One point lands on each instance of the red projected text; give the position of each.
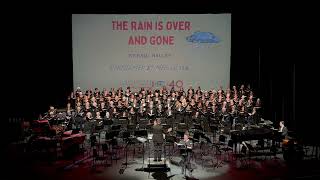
(151, 26)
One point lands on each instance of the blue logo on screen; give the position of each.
(203, 37)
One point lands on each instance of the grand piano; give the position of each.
(257, 133)
(251, 134)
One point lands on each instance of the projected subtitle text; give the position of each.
(149, 67)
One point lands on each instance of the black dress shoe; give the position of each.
(159, 160)
(155, 160)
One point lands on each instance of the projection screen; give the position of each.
(151, 50)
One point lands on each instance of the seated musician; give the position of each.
(185, 147)
(258, 103)
(253, 117)
(69, 110)
(185, 141)
(52, 112)
(158, 138)
(283, 130)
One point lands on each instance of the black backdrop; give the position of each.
(41, 58)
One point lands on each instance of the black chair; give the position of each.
(131, 128)
(169, 143)
(107, 153)
(228, 149)
(93, 142)
(242, 157)
(97, 158)
(115, 149)
(222, 140)
(251, 152)
(209, 157)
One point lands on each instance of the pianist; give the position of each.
(283, 130)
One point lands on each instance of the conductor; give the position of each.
(158, 138)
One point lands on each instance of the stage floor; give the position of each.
(80, 167)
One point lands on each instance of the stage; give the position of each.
(83, 166)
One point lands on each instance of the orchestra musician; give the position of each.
(69, 110)
(52, 112)
(158, 138)
(185, 147)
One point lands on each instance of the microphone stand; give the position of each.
(125, 164)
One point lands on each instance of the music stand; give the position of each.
(184, 152)
(166, 126)
(107, 122)
(149, 127)
(197, 127)
(131, 128)
(180, 133)
(123, 122)
(214, 128)
(143, 123)
(115, 127)
(140, 133)
(182, 126)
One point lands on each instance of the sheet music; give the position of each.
(150, 136)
